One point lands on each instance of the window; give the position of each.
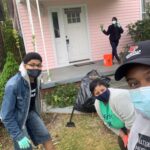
(56, 24)
(145, 8)
(73, 14)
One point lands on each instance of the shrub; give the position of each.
(62, 95)
(13, 42)
(10, 68)
(124, 52)
(140, 30)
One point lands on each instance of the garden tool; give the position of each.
(70, 123)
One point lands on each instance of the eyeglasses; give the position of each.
(35, 65)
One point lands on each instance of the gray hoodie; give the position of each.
(121, 106)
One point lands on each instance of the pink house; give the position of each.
(67, 32)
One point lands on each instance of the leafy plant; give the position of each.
(12, 40)
(10, 68)
(62, 95)
(140, 30)
(123, 53)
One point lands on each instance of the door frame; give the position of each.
(50, 9)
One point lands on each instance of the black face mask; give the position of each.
(34, 73)
(104, 97)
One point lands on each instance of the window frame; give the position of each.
(143, 8)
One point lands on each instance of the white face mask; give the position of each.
(141, 100)
(114, 22)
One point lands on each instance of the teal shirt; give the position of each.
(109, 117)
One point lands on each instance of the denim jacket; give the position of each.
(16, 103)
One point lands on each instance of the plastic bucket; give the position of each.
(108, 60)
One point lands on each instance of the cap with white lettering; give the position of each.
(140, 54)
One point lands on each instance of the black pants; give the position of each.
(114, 45)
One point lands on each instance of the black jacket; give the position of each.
(114, 32)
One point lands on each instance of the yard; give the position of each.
(89, 133)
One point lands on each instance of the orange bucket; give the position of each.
(108, 60)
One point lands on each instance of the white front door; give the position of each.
(76, 34)
(59, 36)
(70, 35)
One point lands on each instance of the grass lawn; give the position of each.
(89, 133)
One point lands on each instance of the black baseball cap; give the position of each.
(139, 55)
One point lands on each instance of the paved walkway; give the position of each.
(75, 73)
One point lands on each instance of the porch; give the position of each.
(67, 32)
(75, 73)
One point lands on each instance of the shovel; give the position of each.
(70, 123)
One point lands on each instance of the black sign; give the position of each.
(143, 143)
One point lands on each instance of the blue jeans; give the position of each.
(35, 130)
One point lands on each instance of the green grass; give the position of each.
(89, 134)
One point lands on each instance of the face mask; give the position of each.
(113, 22)
(34, 73)
(141, 100)
(104, 97)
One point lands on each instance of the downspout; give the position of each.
(43, 39)
(32, 26)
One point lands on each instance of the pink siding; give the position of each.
(125, 11)
(28, 34)
(98, 11)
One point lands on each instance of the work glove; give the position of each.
(24, 143)
(125, 140)
(101, 27)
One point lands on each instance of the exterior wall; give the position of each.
(26, 29)
(126, 12)
(98, 12)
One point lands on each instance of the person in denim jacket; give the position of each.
(20, 111)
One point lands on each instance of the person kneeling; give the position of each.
(116, 111)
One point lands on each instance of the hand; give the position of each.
(101, 27)
(24, 143)
(118, 24)
(125, 140)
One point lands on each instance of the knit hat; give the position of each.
(139, 55)
(30, 56)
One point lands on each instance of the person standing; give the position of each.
(20, 111)
(114, 31)
(136, 70)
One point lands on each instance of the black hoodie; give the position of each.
(114, 32)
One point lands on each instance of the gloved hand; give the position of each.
(118, 24)
(24, 143)
(101, 27)
(125, 140)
